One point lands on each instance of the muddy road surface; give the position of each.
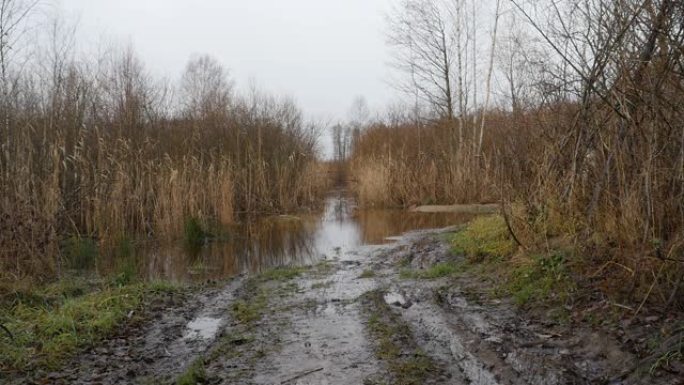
(354, 318)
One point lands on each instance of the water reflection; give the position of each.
(281, 240)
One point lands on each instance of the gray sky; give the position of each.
(321, 52)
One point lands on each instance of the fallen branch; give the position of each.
(300, 375)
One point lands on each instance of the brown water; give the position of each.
(273, 241)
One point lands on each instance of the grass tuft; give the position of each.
(484, 237)
(367, 274)
(195, 374)
(439, 270)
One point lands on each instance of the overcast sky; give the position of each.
(324, 53)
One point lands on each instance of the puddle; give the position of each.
(263, 243)
(202, 328)
(395, 299)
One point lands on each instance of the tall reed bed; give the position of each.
(104, 154)
(406, 164)
(609, 191)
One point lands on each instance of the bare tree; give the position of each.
(13, 15)
(424, 49)
(205, 88)
(488, 83)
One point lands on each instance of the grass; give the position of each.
(367, 274)
(322, 285)
(544, 278)
(439, 270)
(195, 374)
(529, 278)
(283, 273)
(484, 237)
(395, 344)
(248, 312)
(194, 234)
(80, 252)
(51, 323)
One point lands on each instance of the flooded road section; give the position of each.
(263, 243)
(352, 319)
(351, 316)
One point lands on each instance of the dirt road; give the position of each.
(353, 319)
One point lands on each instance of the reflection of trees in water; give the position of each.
(262, 243)
(376, 225)
(253, 246)
(339, 208)
(274, 242)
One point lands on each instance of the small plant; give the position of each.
(439, 270)
(367, 274)
(80, 253)
(194, 234)
(195, 374)
(127, 264)
(484, 238)
(541, 279)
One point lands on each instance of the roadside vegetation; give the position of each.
(45, 326)
(98, 155)
(99, 149)
(583, 150)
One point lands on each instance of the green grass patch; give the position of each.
(544, 278)
(51, 323)
(322, 285)
(484, 238)
(438, 270)
(195, 374)
(253, 304)
(79, 252)
(367, 274)
(195, 235)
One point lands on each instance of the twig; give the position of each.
(300, 375)
(9, 333)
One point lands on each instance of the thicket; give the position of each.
(587, 151)
(98, 149)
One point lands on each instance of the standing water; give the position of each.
(268, 242)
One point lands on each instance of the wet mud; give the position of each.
(354, 319)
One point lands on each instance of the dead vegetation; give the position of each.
(586, 148)
(99, 149)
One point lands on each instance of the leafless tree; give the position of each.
(205, 88)
(424, 49)
(490, 70)
(13, 27)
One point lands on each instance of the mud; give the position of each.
(177, 331)
(316, 329)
